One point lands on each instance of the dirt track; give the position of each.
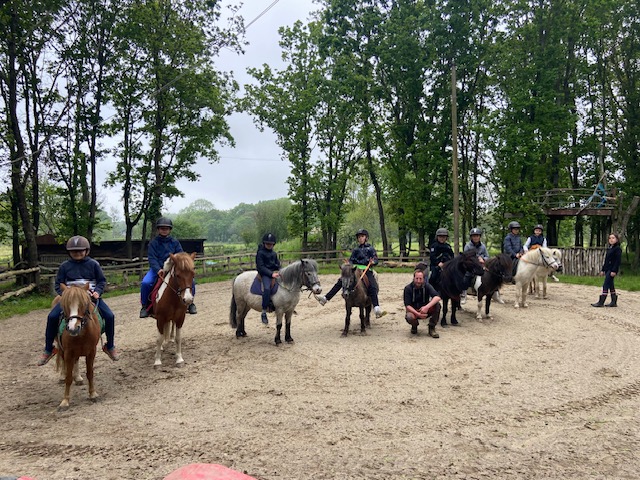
(548, 392)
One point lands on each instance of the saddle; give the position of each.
(153, 298)
(256, 286)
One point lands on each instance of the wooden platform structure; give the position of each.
(571, 202)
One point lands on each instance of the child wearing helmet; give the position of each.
(363, 255)
(480, 248)
(268, 266)
(512, 245)
(162, 245)
(440, 252)
(80, 269)
(536, 240)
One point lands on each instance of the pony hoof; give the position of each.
(63, 407)
(344, 334)
(444, 324)
(79, 382)
(180, 364)
(241, 334)
(157, 364)
(455, 323)
(278, 342)
(288, 340)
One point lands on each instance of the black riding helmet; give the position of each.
(362, 231)
(475, 231)
(269, 238)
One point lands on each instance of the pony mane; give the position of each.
(73, 295)
(292, 272)
(500, 263)
(183, 261)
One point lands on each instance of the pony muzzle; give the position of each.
(317, 289)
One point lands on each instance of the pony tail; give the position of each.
(233, 321)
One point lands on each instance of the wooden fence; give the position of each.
(576, 261)
(582, 261)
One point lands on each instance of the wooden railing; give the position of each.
(576, 261)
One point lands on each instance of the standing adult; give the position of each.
(162, 245)
(421, 302)
(609, 270)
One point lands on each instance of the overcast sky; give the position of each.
(252, 171)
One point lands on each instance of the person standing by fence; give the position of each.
(610, 269)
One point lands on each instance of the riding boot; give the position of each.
(601, 301)
(432, 332)
(264, 317)
(614, 301)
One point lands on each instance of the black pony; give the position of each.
(497, 271)
(355, 294)
(452, 282)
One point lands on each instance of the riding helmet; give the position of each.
(269, 238)
(78, 243)
(538, 227)
(442, 232)
(164, 222)
(362, 231)
(513, 225)
(475, 231)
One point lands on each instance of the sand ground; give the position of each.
(548, 392)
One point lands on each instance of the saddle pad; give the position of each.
(206, 471)
(63, 323)
(256, 286)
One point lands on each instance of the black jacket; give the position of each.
(612, 259)
(267, 261)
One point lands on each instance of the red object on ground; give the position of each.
(206, 471)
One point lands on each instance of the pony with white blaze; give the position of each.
(535, 263)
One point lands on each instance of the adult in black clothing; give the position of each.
(421, 301)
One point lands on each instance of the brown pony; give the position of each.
(355, 294)
(174, 297)
(79, 338)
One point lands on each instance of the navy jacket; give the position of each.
(362, 254)
(267, 261)
(512, 245)
(439, 252)
(160, 248)
(72, 272)
(612, 259)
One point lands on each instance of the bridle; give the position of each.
(84, 318)
(545, 262)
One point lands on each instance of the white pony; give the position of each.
(536, 263)
(539, 283)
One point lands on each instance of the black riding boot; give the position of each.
(614, 301)
(600, 302)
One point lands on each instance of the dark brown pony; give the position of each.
(452, 282)
(79, 338)
(174, 297)
(497, 272)
(355, 294)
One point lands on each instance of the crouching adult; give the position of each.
(421, 302)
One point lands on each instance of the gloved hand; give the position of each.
(322, 300)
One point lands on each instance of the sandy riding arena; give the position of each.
(547, 392)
